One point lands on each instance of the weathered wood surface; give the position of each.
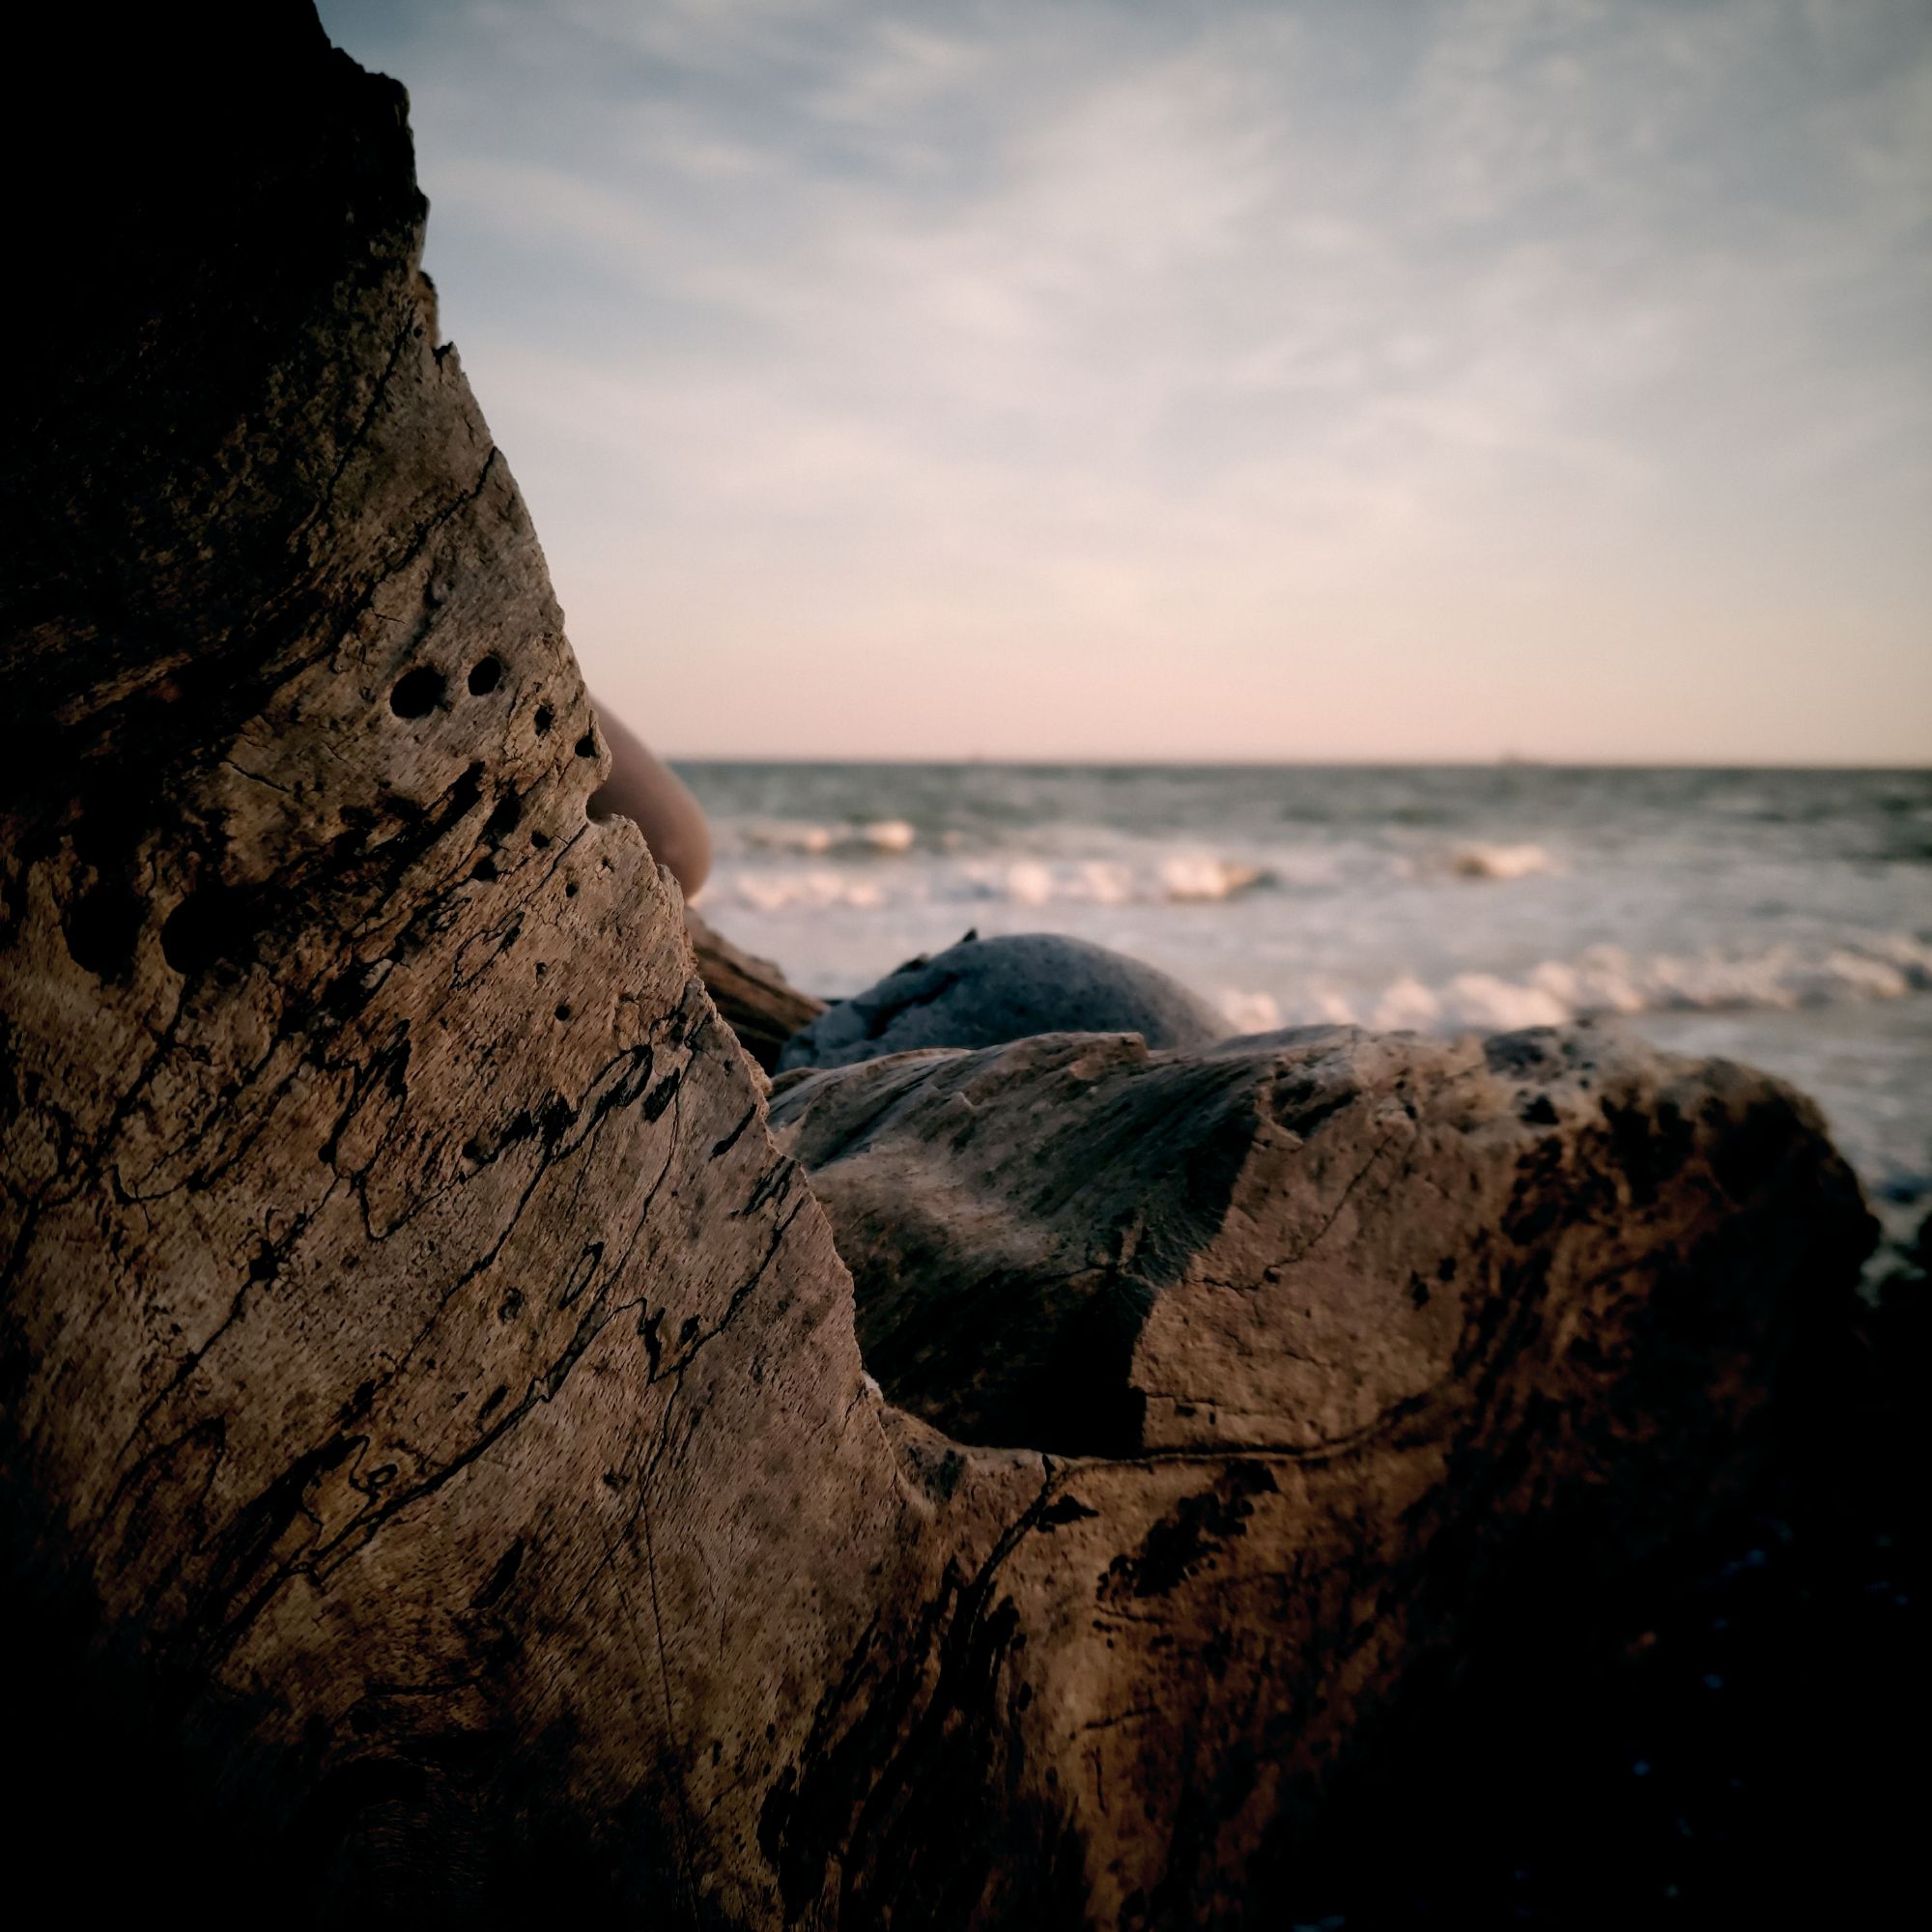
(1356, 1343)
(437, 1460)
(752, 996)
(416, 1353)
(1303, 1241)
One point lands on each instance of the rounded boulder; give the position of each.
(985, 992)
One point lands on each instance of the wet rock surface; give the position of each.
(982, 992)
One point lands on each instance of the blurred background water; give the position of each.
(1778, 916)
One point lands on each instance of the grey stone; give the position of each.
(985, 992)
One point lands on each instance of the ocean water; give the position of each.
(1780, 918)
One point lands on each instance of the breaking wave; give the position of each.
(1782, 916)
(769, 864)
(1175, 878)
(1500, 862)
(804, 839)
(1606, 980)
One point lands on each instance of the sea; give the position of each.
(1781, 917)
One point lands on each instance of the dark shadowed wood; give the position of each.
(418, 1360)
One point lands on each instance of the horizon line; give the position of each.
(1510, 762)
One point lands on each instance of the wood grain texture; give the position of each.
(418, 1358)
(1348, 1345)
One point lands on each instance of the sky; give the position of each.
(1314, 380)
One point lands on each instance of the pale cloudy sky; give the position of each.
(1336, 379)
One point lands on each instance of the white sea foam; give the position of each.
(1490, 1002)
(1193, 876)
(1484, 1001)
(784, 834)
(1500, 862)
(947, 869)
(818, 887)
(1026, 883)
(888, 834)
(1317, 868)
(1607, 980)
(1406, 1004)
(1172, 880)
(1781, 976)
(1250, 1012)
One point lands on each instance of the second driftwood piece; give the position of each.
(1356, 1343)
(752, 996)
(1296, 1239)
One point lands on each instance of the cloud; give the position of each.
(1414, 339)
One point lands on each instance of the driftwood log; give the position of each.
(1325, 1239)
(439, 1477)
(752, 996)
